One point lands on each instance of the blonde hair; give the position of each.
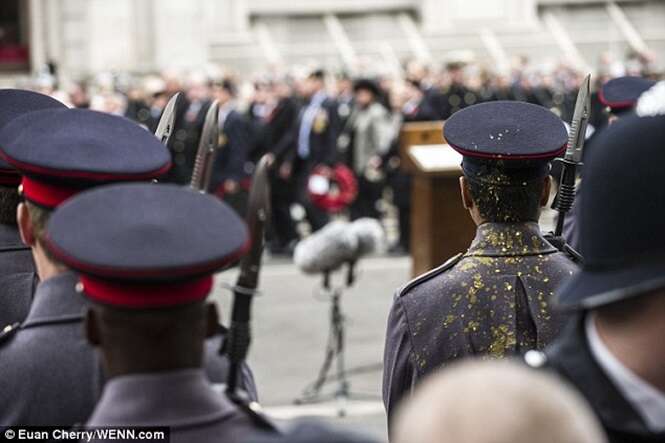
(495, 402)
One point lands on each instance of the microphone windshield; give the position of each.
(327, 249)
(370, 235)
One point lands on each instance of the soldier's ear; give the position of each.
(25, 225)
(212, 320)
(91, 324)
(547, 188)
(467, 201)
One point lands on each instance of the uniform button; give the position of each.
(535, 359)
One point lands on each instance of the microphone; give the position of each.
(370, 236)
(327, 249)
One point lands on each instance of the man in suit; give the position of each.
(279, 135)
(232, 168)
(315, 143)
(147, 275)
(496, 298)
(17, 270)
(613, 351)
(49, 375)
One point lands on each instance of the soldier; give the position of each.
(493, 300)
(17, 270)
(613, 352)
(232, 169)
(619, 96)
(45, 360)
(147, 275)
(315, 143)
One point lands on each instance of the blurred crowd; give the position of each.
(314, 121)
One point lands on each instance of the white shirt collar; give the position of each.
(648, 401)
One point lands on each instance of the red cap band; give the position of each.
(146, 295)
(46, 194)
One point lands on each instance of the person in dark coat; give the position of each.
(49, 375)
(495, 299)
(17, 269)
(188, 125)
(409, 106)
(613, 351)
(148, 316)
(280, 130)
(315, 144)
(232, 168)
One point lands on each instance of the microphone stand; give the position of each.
(335, 351)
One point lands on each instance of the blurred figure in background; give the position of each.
(315, 143)
(496, 402)
(280, 127)
(232, 170)
(367, 134)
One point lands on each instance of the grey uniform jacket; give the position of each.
(17, 277)
(50, 375)
(182, 400)
(494, 300)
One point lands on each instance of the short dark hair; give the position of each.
(227, 85)
(9, 200)
(507, 203)
(39, 217)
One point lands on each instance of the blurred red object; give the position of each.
(13, 54)
(332, 189)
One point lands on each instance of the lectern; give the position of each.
(440, 225)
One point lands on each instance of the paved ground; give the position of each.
(291, 328)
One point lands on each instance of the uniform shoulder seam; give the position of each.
(430, 274)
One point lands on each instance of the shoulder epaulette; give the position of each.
(8, 332)
(430, 274)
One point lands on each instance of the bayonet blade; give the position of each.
(578, 125)
(258, 216)
(207, 146)
(167, 120)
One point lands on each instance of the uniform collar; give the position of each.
(56, 299)
(648, 401)
(571, 355)
(173, 398)
(509, 240)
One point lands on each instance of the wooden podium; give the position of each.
(440, 225)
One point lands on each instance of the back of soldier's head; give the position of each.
(506, 148)
(495, 402)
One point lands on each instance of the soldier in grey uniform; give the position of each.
(17, 270)
(49, 374)
(147, 275)
(494, 300)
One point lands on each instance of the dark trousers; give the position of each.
(365, 203)
(283, 230)
(401, 186)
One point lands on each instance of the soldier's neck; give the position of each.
(46, 268)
